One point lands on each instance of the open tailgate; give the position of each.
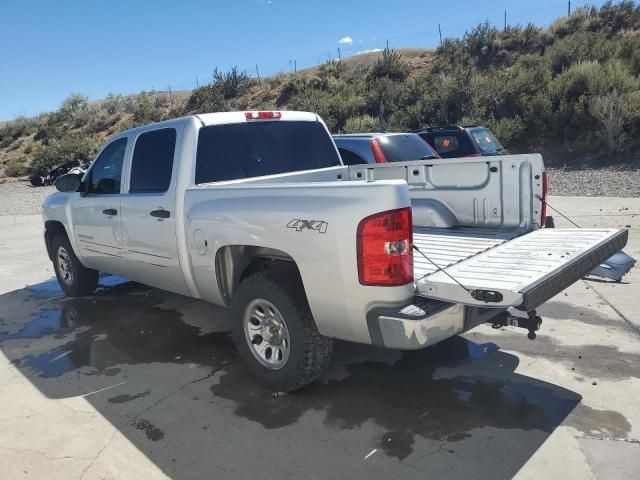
(524, 272)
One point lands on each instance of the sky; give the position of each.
(50, 49)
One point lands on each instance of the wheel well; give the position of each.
(235, 262)
(51, 229)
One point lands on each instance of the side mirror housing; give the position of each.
(69, 183)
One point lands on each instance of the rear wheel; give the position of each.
(74, 279)
(275, 333)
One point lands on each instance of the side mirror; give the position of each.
(68, 183)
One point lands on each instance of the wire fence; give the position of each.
(430, 37)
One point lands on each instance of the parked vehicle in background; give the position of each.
(362, 148)
(49, 178)
(255, 211)
(453, 141)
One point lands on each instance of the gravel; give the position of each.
(600, 182)
(20, 198)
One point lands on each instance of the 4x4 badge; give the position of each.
(299, 225)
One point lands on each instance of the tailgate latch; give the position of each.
(488, 296)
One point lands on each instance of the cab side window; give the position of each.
(104, 176)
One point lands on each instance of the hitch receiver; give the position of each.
(532, 323)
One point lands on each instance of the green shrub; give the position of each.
(58, 152)
(72, 106)
(609, 112)
(361, 124)
(15, 168)
(113, 104)
(391, 66)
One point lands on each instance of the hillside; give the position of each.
(571, 91)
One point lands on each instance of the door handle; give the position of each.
(110, 211)
(160, 213)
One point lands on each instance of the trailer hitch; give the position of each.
(532, 323)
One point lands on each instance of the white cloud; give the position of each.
(346, 40)
(369, 51)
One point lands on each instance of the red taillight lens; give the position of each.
(377, 151)
(385, 249)
(543, 207)
(262, 115)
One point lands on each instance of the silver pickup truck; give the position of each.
(255, 211)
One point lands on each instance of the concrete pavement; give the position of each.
(138, 383)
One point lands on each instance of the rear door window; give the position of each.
(253, 149)
(350, 158)
(446, 143)
(152, 162)
(486, 141)
(403, 148)
(451, 144)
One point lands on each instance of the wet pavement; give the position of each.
(133, 382)
(389, 405)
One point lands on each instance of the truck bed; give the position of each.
(446, 247)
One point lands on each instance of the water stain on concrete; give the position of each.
(590, 361)
(599, 423)
(128, 397)
(590, 316)
(152, 432)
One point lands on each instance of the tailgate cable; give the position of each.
(557, 211)
(481, 295)
(440, 269)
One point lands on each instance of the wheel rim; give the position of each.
(266, 334)
(64, 266)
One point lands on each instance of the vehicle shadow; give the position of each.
(162, 369)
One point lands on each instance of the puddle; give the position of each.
(46, 322)
(406, 401)
(121, 324)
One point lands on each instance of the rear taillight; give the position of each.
(474, 155)
(262, 115)
(385, 249)
(543, 207)
(378, 154)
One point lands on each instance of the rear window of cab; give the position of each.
(254, 149)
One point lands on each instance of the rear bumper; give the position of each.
(423, 322)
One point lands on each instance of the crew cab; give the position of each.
(255, 211)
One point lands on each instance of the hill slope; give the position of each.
(571, 91)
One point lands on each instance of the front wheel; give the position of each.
(73, 277)
(275, 333)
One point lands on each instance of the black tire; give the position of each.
(76, 281)
(36, 181)
(309, 352)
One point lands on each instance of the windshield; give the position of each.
(253, 149)
(406, 147)
(486, 141)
